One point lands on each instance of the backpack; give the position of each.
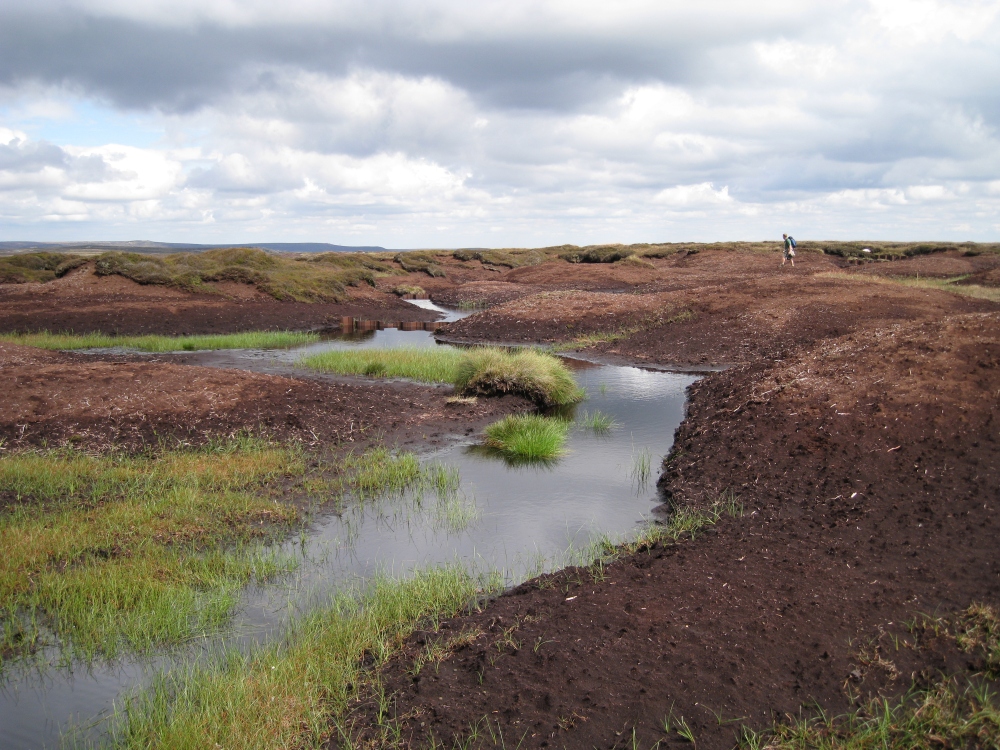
(792, 240)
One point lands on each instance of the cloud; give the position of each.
(446, 123)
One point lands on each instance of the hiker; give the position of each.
(789, 252)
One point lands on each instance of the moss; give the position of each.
(37, 267)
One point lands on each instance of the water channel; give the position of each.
(520, 519)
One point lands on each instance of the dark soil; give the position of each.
(83, 302)
(869, 466)
(858, 424)
(54, 398)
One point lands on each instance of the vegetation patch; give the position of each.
(114, 552)
(421, 261)
(535, 375)
(528, 437)
(486, 371)
(282, 277)
(295, 693)
(153, 343)
(947, 713)
(598, 254)
(38, 267)
(596, 421)
(407, 290)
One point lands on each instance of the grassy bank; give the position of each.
(316, 279)
(296, 693)
(111, 553)
(486, 371)
(528, 437)
(249, 340)
(293, 694)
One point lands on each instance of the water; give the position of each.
(526, 518)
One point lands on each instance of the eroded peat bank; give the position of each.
(801, 554)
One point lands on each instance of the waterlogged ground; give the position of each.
(520, 519)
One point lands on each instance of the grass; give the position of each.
(597, 421)
(952, 284)
(432, 364)
(153, 343)
(290, 694)
(111, 553)
(409, 290)
(946, 713)
(316, 279)
(37, 267)
(528, 437)
(485, 371)
(642, 468)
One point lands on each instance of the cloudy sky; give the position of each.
(440, 123)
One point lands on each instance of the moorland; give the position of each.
(824, 570)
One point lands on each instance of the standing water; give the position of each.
(521, 519)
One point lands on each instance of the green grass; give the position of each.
(433, 364)
(485, 371)
(295, 693)
(409, 290)
(528, 437)
(111, 553)
(153, 343)
(594, 338)
(535, 375)
(597, 421)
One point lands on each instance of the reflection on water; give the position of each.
(517, 518)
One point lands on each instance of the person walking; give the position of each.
(788, 254)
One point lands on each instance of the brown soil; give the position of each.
(54, 398)
(83, 302)
(715, 308)
(858, 424)
(860, 428)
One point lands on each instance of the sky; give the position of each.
(498, 123)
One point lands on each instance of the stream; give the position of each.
(522, 520)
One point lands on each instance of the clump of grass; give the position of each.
(283, 277)
(421, 260)
(486, 371)
(642, 468)
(597, 421)
(37, 267)
(289, 694)
(408, 290)
(528, 437)
(527, 372)
(153, 343)
(116, 552)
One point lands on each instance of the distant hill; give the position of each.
(145, 246)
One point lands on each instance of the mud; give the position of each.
(83, 302)
(54, 398)
(856, 421)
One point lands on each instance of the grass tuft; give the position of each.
(486, 371)
(597, 421)
(528, 437)
(153, 343)
(535, 375)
